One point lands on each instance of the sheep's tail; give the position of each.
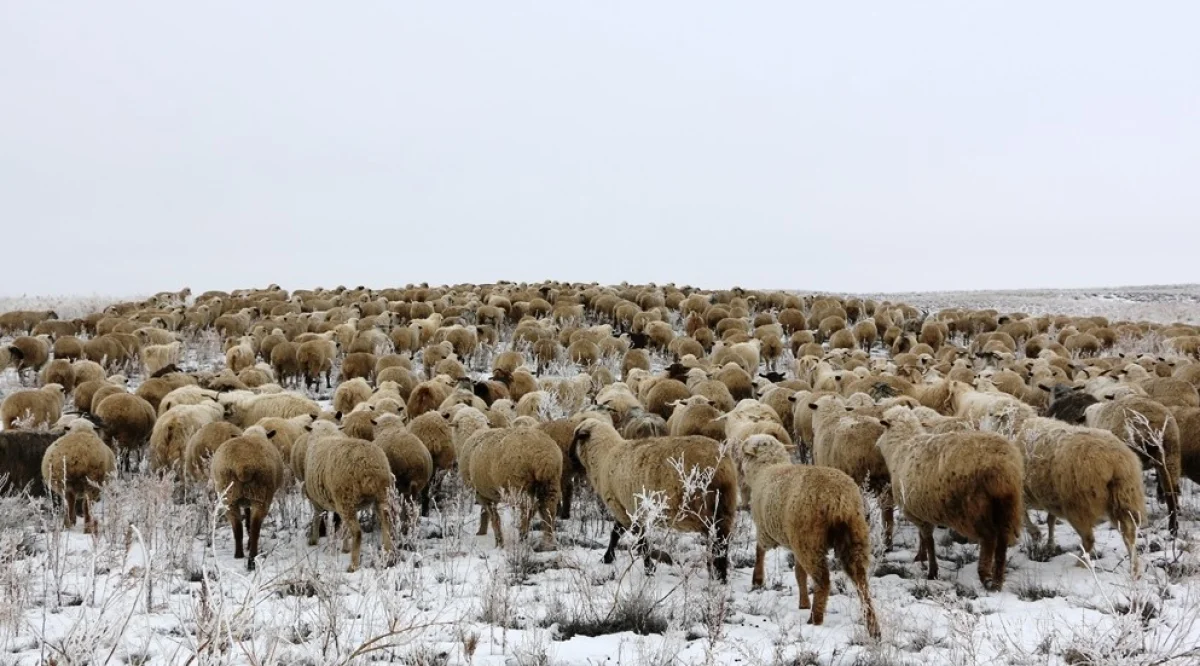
(851, 541)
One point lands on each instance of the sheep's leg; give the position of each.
(235, 521)
(425, 499)
(1128, 528)
(760, 556)
(1031, 528)
(611, 554)
(385, 524)
(987, 549)
(999, 559)
(69, 514)
(820, 592)
(314, 529)
(257, 513)
(930, 551)
(802, 584)
(483, 520)
(719, 550)
(887, 506)
(640, 547)
(89, 526)
(354, 533)
(548, 510)
(493, 515)
(1050, 522)
(568, 492)
(856, 569)
(1087, 541)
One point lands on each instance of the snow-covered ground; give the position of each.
(150, 589)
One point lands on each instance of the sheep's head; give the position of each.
(762, 450)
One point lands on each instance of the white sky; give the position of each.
(913, 146)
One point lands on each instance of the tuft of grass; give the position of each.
(886, 568)
(1033, 590)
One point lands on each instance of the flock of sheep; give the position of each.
(713, 401)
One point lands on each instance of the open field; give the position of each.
(158, 584)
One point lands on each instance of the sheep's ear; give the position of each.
(270, 434)
(1045, 388)
(885, 423)
(792, 398)
(338, 415)
(812, 405)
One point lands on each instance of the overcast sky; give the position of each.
(916, 146)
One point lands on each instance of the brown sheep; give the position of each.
(246, 472)
(971, 482)
(76, 466)
(410, 461)
(202, 445)
(808, 510)
(521, 460)
(127, 422)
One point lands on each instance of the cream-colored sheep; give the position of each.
(1082, 475)
(156, 357)
(1151, 431)
(624, 473)
(345, 475)
(846, 442)
(410, 461)
(32, 409)
(244, 409)
(808, 510)
(172, 430)
(75, 466)
(201, 446)
(350, 393)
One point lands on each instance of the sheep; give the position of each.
(157, 357)
(1151, 431)
(127, 422)
(808, 510)
(428, 396)
(410, 461)
(350, 393)
(29, 353)
(696, 416)
(76, 466)
(1187, 420)
(21, 453)
(86, 371)
(991, 410)
(1068, 403)
(246, 409)
(59, 371)
(314, 358)
(358, 365)
(1170, 392)
(358, 424)
(285, 362)
(971, 482)
(642, 425)
(186, 395)
(315, 430)
(846, 442)
(624, 472)
(202, 445)
(519, 460)
(246, 471)
(663, 394)
(344, 475)
(172, 430)
(1081, 475)
(32, 409)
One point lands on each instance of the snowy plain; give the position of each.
(158, 584)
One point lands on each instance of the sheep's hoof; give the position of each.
(249, 565)
(608, 558)
(237, 555)
(662, 557)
